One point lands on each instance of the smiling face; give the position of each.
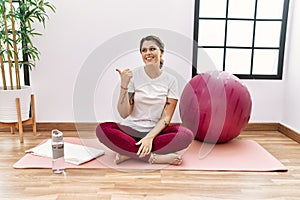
(151, 53)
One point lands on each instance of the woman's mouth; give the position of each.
(149, 59)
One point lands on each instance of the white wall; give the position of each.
(79, 31)
(267, 100)
(291, 111)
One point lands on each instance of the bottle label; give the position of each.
(57, 150)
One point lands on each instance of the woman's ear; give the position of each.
(161, 52)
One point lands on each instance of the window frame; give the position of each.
(281, 48)
(25, 58)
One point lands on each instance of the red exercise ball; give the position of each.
(216, 106)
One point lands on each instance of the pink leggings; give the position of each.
(122, 139)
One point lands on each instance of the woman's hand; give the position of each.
(125, 75)
(146, 146)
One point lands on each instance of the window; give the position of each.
(24, 72)
(243, 37)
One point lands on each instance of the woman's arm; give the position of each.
(165, 119)
(125, 103)
(167, 114)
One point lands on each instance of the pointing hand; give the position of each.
(125, 75)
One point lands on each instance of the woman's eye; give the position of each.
(150, 49)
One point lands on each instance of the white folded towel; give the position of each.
(74, 153)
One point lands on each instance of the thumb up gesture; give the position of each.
(125, 76)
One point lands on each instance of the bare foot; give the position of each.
(172, 159)
(121, 158)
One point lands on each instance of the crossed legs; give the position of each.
(122, 139)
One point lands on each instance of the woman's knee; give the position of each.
(186, 133)
(183, 131)
(103, 129)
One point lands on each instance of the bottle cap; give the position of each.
(57, 136)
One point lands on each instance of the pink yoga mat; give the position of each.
(236, 155)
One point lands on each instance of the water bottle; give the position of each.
(58, 160)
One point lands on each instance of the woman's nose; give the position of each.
(147, 50)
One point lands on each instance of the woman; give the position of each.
(147, 100)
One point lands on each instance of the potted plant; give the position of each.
(17, 51)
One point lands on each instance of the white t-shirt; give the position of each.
(149, 98)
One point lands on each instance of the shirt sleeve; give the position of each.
(173, 90)
(131, 87)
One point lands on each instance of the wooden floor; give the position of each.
(161, 184)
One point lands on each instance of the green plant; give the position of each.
(16, 33)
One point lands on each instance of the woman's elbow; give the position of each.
(123, 113)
